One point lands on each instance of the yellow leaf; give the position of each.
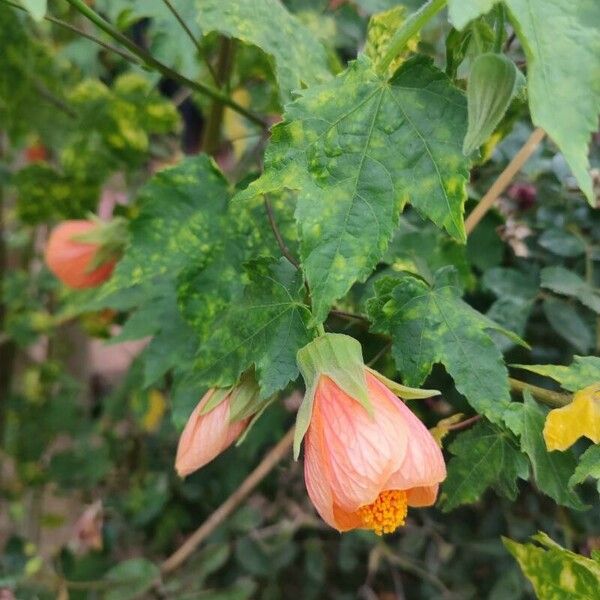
(440, 431)
(564, 426)
(154, 414)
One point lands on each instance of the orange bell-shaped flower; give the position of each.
(367, 456)
(218, 420)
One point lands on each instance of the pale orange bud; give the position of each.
(362, 470)
(205, 436)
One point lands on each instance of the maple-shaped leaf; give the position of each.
(561, 42)
(432, 324)
(265, 326)
(484, 456)
(551, 471)
(358, 149)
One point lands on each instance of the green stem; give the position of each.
(410, 27)
(320, 329)
(129, 57)
(212, 134)
(499, 28)
(548, 397)
(152, 62)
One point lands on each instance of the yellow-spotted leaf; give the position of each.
(357, 150)
(581, 418)
(556, 573)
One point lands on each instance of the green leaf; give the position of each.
(516, 293)
(162, 32)
(299, 57)
(561, 242)
(551, 470)
(131, 579)
(178, 225)
(36, 8)
(264, 327)
(424, 250)
(45, 194)
(566, 282)
(178, 210)
(556, 573)
(589, 466)
(484, 456)
(493, 82)
(335, 149)
(561, 43)
(567, 321)
(115, 124)
(432, 324)
(582, 372)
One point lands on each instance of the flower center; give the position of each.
(386, 514)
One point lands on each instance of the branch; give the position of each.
(548, 397)
(513, 167)
(464, 424)
(152, 62)
(280, 242)
(282, 447)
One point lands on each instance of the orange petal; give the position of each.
(423, 464)
(316, 475)
(362, 452)
(206, 436)
(422, 496)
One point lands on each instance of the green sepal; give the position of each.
(494, 80)
(245, 398)
(263, 406)
(402, 391)
(339, 357)
(218, 396)
(111, 238)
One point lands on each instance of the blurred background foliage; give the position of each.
(87, 485)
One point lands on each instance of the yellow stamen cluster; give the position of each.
(386, 514)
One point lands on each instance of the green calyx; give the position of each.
(494, 81)
(244, 399)
(109, 236)
(338, 357)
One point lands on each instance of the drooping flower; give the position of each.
(218, 420)
(83, 253)
(367, 456)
